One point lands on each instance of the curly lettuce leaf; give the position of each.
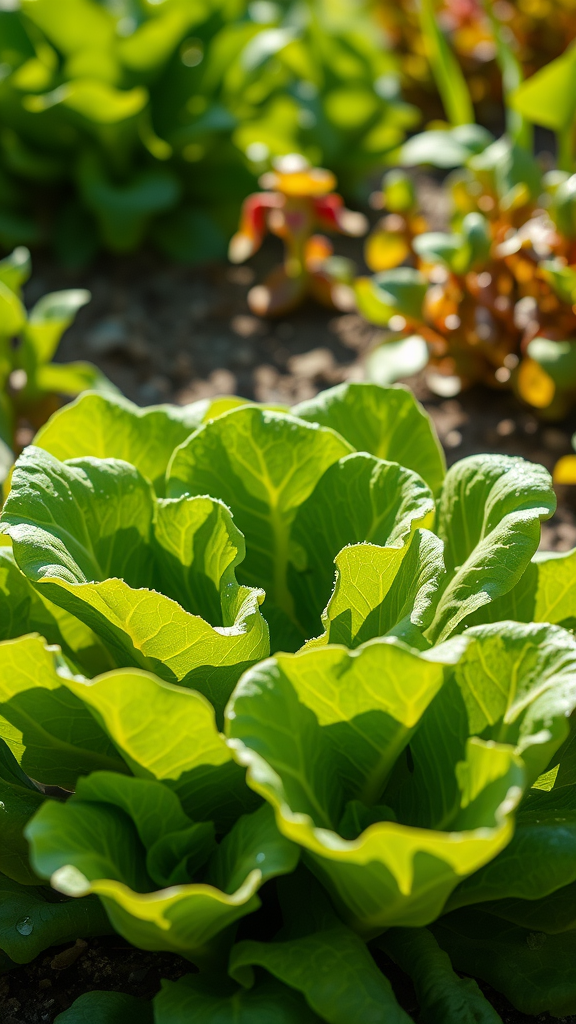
(382, 591)
(94, 848)
(141, 572)
(325, 726)
(488, 516)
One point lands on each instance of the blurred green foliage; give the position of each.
(127, 119)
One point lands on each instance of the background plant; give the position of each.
(493, 299)
(301, 198)
(127, 121)
(536, 33)
(32, 387)
(207, 783)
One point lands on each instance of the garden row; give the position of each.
(279, 694)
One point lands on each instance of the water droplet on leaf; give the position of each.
(25, 926)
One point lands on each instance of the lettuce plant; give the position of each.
(281, 695)
(32, 387)
(300, 199)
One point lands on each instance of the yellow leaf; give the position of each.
(386, 249)
(535, 386)
(565, 470)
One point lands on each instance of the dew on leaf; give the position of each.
(25, 926)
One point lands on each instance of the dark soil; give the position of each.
(167, 333)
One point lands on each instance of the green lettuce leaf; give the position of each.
(49, 730)
(219, 1001)
(389, 502)
(168, 733)
(19, 799)
(535, 971)
(31, 920)
(23, 609)
(111, 427)
(332, 969)
(546, 592)
(488, 516)
(326, 726)
(552, 914)
(381, 591)
(443, 997)
(106, 556)
(264, 465)
(386, 422)
(540, 857)
(94, 848)
(518, 685)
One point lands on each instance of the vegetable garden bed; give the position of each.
(40, 991)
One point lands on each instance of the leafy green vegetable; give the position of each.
(535, 971)
(444, 998)
(407, 765)
(126, 564)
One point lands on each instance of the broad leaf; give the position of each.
(540, 858)
(264, 465)
(519, 686)
(105, 557)
(219, 1001)
(111, 427)
(19, 799)
(332, 969)
(48, 729)
(489, 518)
(23, 609)
(443, 997)
(168, 733)
(382, 591)
(535, 971)
(386, 422)
(546, 592)
(85, 847)
(552, 914)
(253, 842)
(176, 848)
(324, 726)
(30, 920)
(359, 498)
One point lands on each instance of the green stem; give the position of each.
(448, 75)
